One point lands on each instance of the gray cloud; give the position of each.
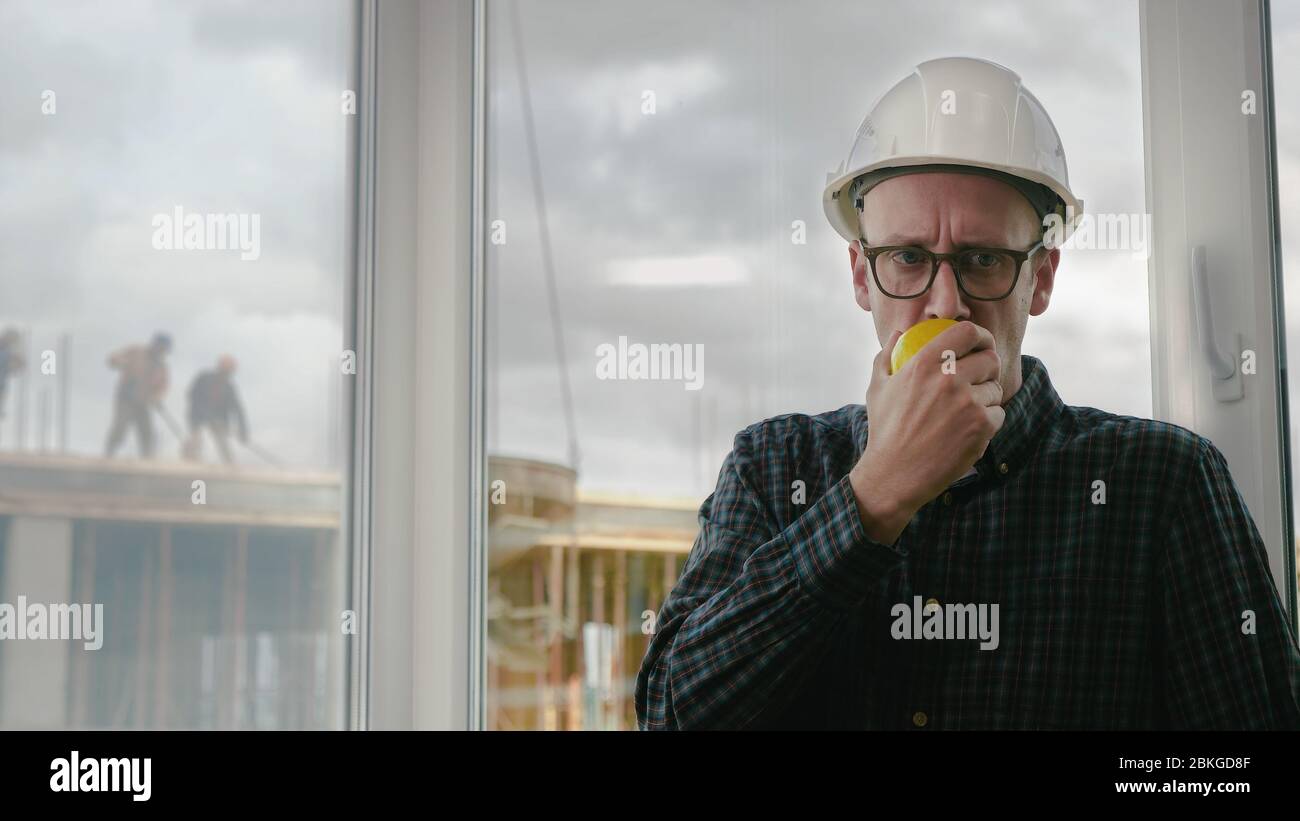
(755, 103)
(234, 106)
(215, 107)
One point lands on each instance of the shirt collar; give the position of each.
(1029, 414)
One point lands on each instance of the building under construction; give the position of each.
(222, 609)
(576, 582)
(221, 606)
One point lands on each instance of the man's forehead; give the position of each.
(977, 210)
(986, 239)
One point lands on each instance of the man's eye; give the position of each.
(907, 257)
(981, 259)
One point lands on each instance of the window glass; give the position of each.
(174, 270)
(654, 176)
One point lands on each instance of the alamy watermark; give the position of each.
(950, 621)
(1100, 232)
(55, 622)
(682, 363)
(77, 774)
(179, 231)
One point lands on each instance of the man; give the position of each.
(966, 483)
(213, 402)
(140, 388)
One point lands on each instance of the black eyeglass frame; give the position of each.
(937, 259)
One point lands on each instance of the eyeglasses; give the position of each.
(907, 271)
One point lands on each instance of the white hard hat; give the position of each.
(962, 112)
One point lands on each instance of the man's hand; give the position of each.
(927, 427)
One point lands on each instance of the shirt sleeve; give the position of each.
(749, 616)
(1220, 670)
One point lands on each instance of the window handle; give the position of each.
(1227, 380)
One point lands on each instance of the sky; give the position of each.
(229, 107)
(672, 227)
(676, 227)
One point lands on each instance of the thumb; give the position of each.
(880, 368)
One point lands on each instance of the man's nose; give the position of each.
(945, 298)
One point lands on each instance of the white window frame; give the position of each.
(1211, 180)
(419, 473)
(419, 568)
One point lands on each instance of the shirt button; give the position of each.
(1002, 468)
(947, 498)
(929, 603)
(919, 718)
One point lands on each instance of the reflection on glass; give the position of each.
(575, 580)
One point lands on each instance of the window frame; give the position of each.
(1191, 149)
(420, 449)
(420, 476)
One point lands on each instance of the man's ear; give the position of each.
(1044, 278)
(861, 279)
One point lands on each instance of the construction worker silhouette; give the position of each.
(213, 403)
(140, 388)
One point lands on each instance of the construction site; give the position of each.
(222, 585)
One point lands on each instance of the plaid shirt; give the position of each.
(1122, 611)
